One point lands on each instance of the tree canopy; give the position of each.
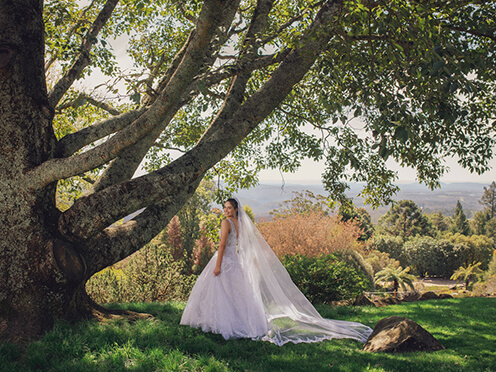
(218, 88)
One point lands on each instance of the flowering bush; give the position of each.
(310, 234)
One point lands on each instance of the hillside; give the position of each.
(265, 197)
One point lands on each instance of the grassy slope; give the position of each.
(467, 327)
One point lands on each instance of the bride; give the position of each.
(245, 292)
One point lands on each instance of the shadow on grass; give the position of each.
(466, 327)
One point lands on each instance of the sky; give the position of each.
(310, 173)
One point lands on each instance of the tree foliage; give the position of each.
(488, 199)
(479, 248)
(434, 257)
(404, 219)
(460, 223)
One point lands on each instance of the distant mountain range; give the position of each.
(266, 197)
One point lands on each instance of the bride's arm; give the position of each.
(224, 232)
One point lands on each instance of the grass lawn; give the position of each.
(466, 326)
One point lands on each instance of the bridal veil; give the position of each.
(291, 317)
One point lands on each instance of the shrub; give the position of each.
(154, 275)
(325, 278)
(380, 260)
(310, 234)
(491, 270)
(202, 253)
(106, 286)
(433, 257)
(392, 245)
(150, 275)
(479, 248)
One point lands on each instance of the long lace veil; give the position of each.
(291, 317)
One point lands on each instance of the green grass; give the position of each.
(467, 327)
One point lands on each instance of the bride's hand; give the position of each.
(217, 271)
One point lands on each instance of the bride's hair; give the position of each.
(234, 203)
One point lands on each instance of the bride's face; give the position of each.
(229, 210)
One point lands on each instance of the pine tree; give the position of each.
(460, 222)
(175, 238)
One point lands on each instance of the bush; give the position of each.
(491, 270)
(107, 286)
(380, 260)
(150, 275)
(434, 257)
(325, 278)
(479, 248)
(392, 245)
(310, 234)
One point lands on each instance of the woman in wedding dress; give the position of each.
(245, 292)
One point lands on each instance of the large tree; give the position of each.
(219, 80)
(405, 219)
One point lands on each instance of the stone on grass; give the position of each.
(397, 334)
(444, 296)
(362, 300)
(428, 296)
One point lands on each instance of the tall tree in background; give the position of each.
(232, 87)
(460, 223)
(404, 219)
(489, 199)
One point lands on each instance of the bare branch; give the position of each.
(83, 59)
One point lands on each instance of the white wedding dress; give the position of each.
(226, 303)
(254, 297)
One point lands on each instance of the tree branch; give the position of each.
(56, 169)
(73, 142)
(83, 98)
(124, 167)
(83, 59)
(472, 32)
(118, 242)
(90, 215)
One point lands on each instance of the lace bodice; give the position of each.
(232, 239)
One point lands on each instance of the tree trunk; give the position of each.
(41, 274)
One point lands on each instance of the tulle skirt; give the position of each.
(225, 304)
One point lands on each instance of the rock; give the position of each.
(443, 296)
(454, 287)
(362, 300)
(428, 296)
(391, 301)
(411, 297)
(397, 334)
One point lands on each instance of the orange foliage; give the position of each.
(310, 234)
